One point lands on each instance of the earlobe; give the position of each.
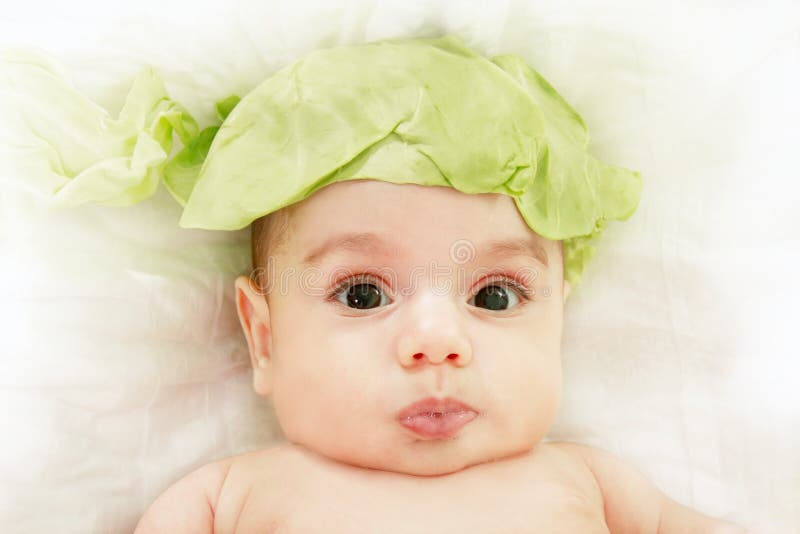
(262, 376)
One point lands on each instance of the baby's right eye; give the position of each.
(361, 295)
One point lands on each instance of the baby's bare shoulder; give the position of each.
(241, 475)
(564, 459)
(566, 462)
(189, 504)
(634, 504)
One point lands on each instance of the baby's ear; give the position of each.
(253, 311)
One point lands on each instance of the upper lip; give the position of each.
(434, 405)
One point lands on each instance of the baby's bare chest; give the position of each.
(488, 501)
(355, 513)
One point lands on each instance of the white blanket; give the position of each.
(124, 366)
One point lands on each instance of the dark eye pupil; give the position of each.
(363, 296)
(493, 297)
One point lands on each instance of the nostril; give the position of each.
(452, 356)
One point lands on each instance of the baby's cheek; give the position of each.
(537, 388)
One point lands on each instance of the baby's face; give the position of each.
(426, 311)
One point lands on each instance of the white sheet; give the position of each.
(123, 363)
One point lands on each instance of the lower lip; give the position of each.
(438, 426)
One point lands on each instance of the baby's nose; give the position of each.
(434, 332)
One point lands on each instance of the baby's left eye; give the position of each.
(496, 295)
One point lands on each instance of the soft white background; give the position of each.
(123, 366)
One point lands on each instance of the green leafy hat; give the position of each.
(427, 111)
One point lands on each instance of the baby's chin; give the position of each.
(426, 458)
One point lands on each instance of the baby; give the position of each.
(412, 353)
(418, 215)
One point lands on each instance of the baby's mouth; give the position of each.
(434, 418)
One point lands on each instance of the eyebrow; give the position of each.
(372, 243)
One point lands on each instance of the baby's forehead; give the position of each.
(403, 207)
(411, 222)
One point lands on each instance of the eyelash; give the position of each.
(525, 293)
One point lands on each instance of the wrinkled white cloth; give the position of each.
(124, 366)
